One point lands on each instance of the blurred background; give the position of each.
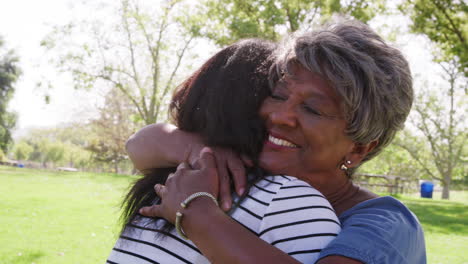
(77, 78)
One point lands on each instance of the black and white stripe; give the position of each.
(282, 210)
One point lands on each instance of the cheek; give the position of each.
(326, 135)
(264, 110)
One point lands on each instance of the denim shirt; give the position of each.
(379, 231)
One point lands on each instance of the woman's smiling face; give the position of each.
(305, 127)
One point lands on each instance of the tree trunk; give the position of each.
(446, 188)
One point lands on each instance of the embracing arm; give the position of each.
(218, 236)
(226, 241)
(159, 146)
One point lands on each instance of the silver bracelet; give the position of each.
(184, 204)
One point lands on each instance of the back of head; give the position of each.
(372, 78)
(220, 101)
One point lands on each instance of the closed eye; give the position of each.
(311, 110)
(278, 97)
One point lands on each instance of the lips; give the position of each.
(281, 142)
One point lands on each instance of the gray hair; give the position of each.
(372, 78)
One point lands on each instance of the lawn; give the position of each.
(58, 217)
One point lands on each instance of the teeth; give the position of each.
(281, 142)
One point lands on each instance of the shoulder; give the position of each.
(295, 201)
(380, 230)
(298, 220)
(290, 191)
(382, 213)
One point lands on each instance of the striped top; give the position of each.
(286, 212)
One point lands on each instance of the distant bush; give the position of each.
(2, 156)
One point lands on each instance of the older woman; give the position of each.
(339, 96)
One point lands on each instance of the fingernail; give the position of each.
(241, 191)
(140, 211)
(226, 206)
(205, 149)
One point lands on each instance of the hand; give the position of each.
(230, 166)
(184, 182)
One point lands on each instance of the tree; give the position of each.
(117, 120)
(52, 152)
(444, 129)
(440, 117)
(22, 150)
(139, 53)
(63, 146)
(393, 160)
(231, 20)
(76, 156)
(9, 73)
(445, 22)
(2, 156)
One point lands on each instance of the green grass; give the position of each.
(445, 225)
(57, 217)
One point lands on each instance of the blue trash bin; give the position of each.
(426, 189)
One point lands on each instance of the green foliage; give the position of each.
(445, 22)
(22, 150)
(7, 123)
(2, 156)
(112, 129)
(228, 21)
(9, 73)
(394, 160)
(439, 116)
(63, 146)
(138, 52)
(99, 143)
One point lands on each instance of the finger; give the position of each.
(224, 187)
(207, 159)
(151, 211)
(210, 164)
(169, 178)
(237, 169)
(184, 165)
(247, 161)
(160, 190)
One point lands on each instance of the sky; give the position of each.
(24, 23)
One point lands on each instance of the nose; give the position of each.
(284, 115)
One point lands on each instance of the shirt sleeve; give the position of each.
(379, 231)
(299, 221)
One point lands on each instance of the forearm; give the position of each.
(159, 146)
(222, 240)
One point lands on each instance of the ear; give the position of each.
(359, 152)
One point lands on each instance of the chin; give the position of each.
(273, 167)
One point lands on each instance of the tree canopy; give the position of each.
(445, 22)
(9, 73)
(231, 20)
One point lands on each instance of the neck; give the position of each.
(343, 194)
